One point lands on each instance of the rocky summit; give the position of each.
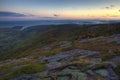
(73, 65)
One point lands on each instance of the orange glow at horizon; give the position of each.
(92, 14)
(83, 14)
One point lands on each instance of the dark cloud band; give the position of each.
(11, 14)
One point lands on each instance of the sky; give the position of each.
(59, 9)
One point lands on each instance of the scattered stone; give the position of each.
(75, 74)
(46, 48)
(115, 37)
(63, 78)
(94, 60)
(65, 44)
(102, 72)
(67, 54)
(17, 67)
(42, 59)
(91, 39)
(90, 72)
(115, 59)
(23, 77)
(53, 65)
(112, 75)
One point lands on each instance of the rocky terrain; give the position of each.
(73, 64)
(86, 58)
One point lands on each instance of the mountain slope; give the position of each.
(62, 52)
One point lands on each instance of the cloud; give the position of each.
(55, 15)
(109, 7)
(112, 5)
(47, 17)
(119, 10)
(12, 14)
(115, 16)
(50, 17)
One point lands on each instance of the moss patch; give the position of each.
(28, 69)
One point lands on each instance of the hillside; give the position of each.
(61, 52)
(38, 36)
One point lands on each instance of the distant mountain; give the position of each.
(10, 24)
(18, 27)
